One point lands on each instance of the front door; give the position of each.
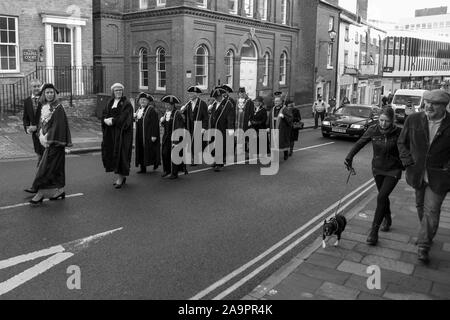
(63, 67)
(249, 73)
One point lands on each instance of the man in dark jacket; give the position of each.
(424, 147)
(31, 118)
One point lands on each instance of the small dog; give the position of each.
(336, 226)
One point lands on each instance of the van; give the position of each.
(401, 99)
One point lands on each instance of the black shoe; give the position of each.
(372, 240)
(173, 177)
(386, 226)
(30, 190)
(218, 168)
(124, 182)
(165, 174)
(142, 171)
(61, 196)
(286, 156)
(423, 255)
(34, 202)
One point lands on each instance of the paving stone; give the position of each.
(444, 238)
(337, 292)
(432, 275)
(323, 273)
(344, 254)
(445, 219)
(398, 293)
(389, 264)
(324, 260)
(409, 257)
(444, 225)
(443, 266)
(395, 245)
(358, 229)
(369, 297)
(354, 237)
(441, 290)
(360, 283)
(295, 287)
(378, 251)
(394, 236)
(407, 282)
(353, 268)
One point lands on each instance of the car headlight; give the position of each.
(357, 126)
(326, 123)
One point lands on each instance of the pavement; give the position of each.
(341, 273)
(86, 137)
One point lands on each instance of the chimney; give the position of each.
(361, 8)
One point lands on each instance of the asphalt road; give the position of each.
(177, 237)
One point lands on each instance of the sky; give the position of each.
(393, 10)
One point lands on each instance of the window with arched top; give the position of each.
(229, 65)
(283, 68)
(201, 67)
(161, 70)
(266, 69)
(143, 68)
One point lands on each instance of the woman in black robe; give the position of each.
(54, 135)
(280, 118)
(148, 139)
(171, 121)
(296, 127)
(117, 126)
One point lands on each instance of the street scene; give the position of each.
(247, 150)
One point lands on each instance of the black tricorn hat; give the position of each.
(145, 95)
(242, 90)
(227, 88)
(218, 92)
(259, 99)
(46, 86)
(278, 94)
(171, 99)
(194, 89)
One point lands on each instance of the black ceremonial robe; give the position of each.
(148, 153)
(51, 170)
(175, 122)
(117, 145)
(31, 117)
(284, 125)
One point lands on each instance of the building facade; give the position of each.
(166, 46)
(429, 21)
(327, 50)
(416, 62)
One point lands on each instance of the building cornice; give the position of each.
(204, 13)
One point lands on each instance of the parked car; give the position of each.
(407, 102)
(351, 120)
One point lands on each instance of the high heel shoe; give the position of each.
(34, 202)
(124, 182)
(61, 196)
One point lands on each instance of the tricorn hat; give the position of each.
(259, 99)
(145, 95)
(278, 94)
(48, 86)
(217, 92)
(171, 99)
(194, 89)
(242, 90)
(227, 88)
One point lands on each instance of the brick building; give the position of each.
(165, 46)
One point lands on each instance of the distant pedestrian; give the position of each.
(320, 110)
(259, 120)
(245, 109)
(425, 152)
(170, 122)
(345, 101)
(117, 126)
(31, 118)
(148, 137)
(281, 119)
(297, 125)
(386, 167)
(54, 135)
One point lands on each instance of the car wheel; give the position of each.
(326, 135)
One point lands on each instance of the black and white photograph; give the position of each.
(225, 155)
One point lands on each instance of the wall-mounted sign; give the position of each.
(188, 74)
(30, 55)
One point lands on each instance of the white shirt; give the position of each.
(140, 113)
(168, 115)
(116, 103)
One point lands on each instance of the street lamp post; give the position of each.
(332, 35)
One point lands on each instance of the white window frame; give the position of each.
(284, 11)
(330, 56)
(142, 86)
(159, 71)
(263, 9)
(202, 4)
(249, 8)
(266, 69)
(229, 63)
(283, 68)
(331, 23)
(205, 76)
(235, 6)
(160, 3)
(143, 4)
(16, 44)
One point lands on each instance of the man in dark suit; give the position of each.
(31, 118)
(196, 110)
(424, 146)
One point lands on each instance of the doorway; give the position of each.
(249, 68)
(62, 58)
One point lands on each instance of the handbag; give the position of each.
(298, 125)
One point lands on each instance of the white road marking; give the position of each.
(366, 186)
(59, 254)
(25, 204)
(283, 252)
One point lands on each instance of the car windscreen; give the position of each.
(403, 100)
(354, 112)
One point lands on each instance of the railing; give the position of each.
(70, 82)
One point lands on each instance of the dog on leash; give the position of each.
(334, 227)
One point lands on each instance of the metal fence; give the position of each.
(70, 82)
